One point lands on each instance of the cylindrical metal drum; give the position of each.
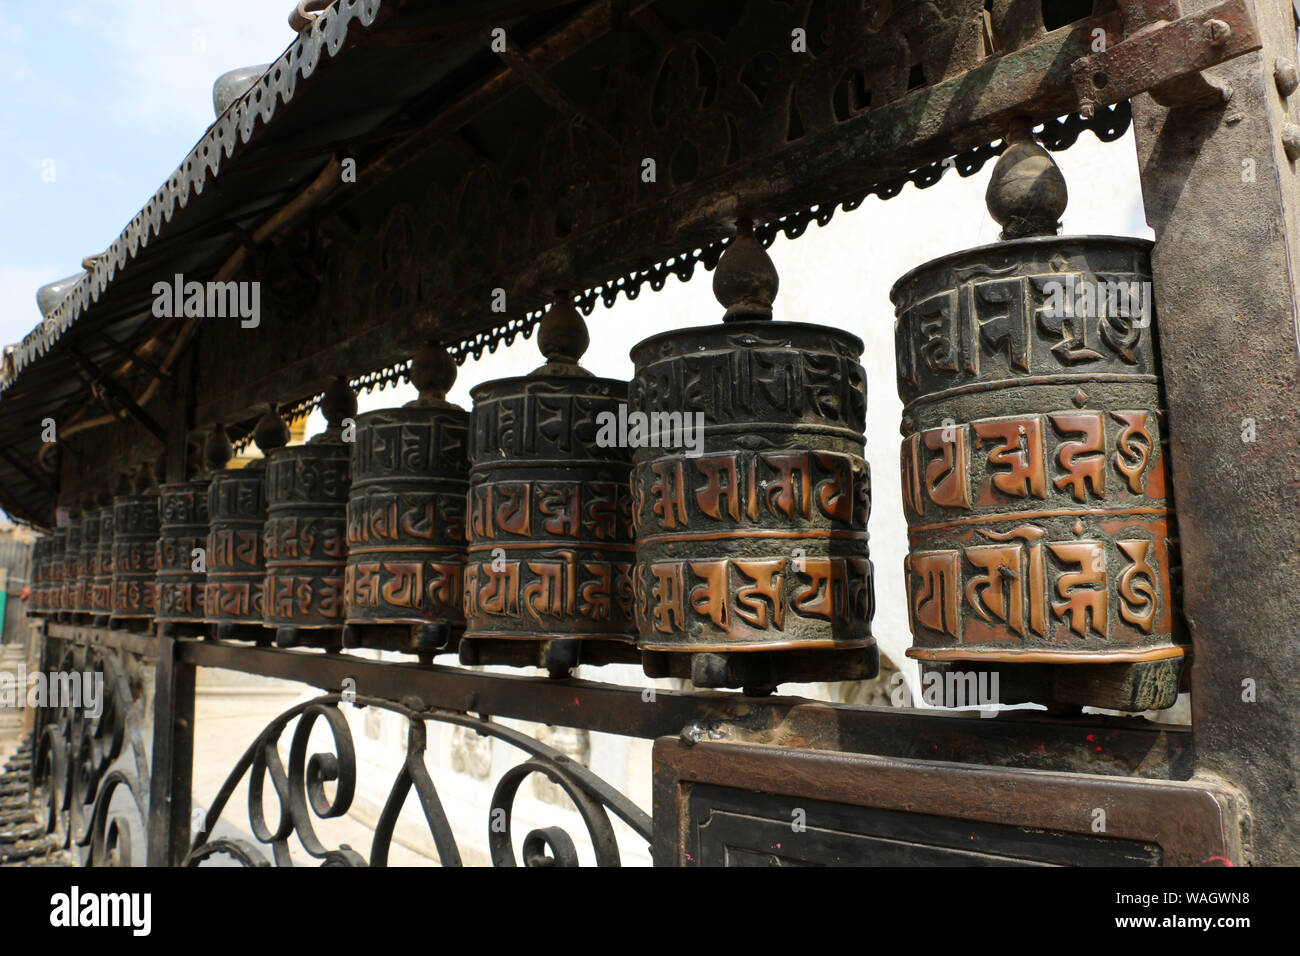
(1042, 557)
(74, 567)
(406, 519)
(91, 520)
(751, 496)
(232, 597)
(59, 572)
(101, 602)
(305, 535)
(236, 565)
(38, 605)
(548, 579)
(183, 533)
(136, 531)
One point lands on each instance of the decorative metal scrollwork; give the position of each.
(80, 763)
(301, 792)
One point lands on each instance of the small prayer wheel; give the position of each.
(136, 530)
(1043, 560)
(548, 579)
(74, 565)
(406, 518)
(91, 521)
(101, 600)
(38, 605)
(183, 541)
(305, 536)
(751, 494)
(236, 520)
(59, 572)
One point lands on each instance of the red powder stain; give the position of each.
(1091, 738)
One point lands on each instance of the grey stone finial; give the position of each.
(1026, 194)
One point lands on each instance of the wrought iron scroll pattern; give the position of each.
(80, 763)
(301, 794)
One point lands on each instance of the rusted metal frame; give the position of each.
(1101, 745)
(1221, 194)
(171, 776)
(589, 25)
(957, 114)
(546, 90)
(1145, 59)
(32, 475)
(117, 393)
(1195, 823)
(121, 348)
(132, 642)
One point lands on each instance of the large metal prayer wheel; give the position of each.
(182, 538)
(305, 535)
(548, 579)
(406, 518)
(1042, 550)
(136, 530)
(236, 521)
(751, 522)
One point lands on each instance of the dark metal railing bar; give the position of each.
(1095, 744)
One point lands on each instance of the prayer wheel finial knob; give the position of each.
(563, 337)
(270, 432)
(1027, 193)
(433, 372)
(338, 404)
(217, 449)
(745, 279)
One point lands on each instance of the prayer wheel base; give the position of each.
(759, 672)
(424, 640)
(1126, 686)
(558, 656)
(184, 629)
(135, 625)
(255, 633)
(326, 638)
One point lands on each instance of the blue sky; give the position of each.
(105, 97)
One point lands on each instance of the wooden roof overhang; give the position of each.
(522, 165)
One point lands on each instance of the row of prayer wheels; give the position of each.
(709, 519)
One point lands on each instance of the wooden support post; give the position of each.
(1223, 197)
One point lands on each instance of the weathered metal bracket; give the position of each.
(1163, 53)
